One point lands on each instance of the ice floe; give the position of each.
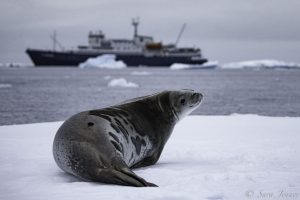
(121, 82)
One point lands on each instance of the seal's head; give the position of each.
(183, 102)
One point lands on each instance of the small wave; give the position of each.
(107, 77)
(207, 65)
(5, 85)
(140, 73)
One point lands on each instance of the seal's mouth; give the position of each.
(196, 99)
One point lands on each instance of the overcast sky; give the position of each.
(225, 30)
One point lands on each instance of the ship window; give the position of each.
(141, 39)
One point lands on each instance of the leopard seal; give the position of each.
(104, 145)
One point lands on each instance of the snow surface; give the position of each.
(121, 82)
(207, 65)
(207, 157)
(270, 64)
(103, 61)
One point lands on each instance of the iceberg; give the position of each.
(207, 65)
(107, 61)
(268, 64)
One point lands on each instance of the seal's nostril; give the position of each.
(195, 95)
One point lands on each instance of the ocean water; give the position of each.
(29, 95)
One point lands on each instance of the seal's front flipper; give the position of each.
(130, 173)
(121, 177)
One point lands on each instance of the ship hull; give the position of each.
(42, 58)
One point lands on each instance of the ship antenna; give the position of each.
(135, 23)
(56, 42)
(180, 33)
(53, 37)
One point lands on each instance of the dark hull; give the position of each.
(70, 58)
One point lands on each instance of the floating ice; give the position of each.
(104, 61)
(207, 65)
(121, 82)
(269, 64)
(5, 85)
(206, 157)
(140, 73)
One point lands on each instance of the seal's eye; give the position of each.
(182, 101)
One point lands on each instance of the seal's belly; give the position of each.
(131, 145)
(136, 149)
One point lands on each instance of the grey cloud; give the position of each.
(247, 25)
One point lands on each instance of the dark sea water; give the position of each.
(51, 94)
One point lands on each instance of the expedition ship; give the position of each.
(139, 51)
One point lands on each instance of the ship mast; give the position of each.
(55, 41)
(180, 34)
(53, 37)
(135, 23)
